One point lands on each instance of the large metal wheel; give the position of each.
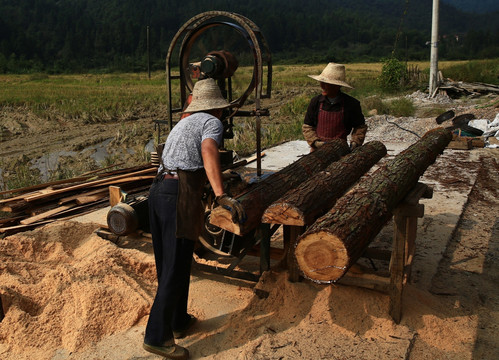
(236, 32)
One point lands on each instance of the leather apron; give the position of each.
(330, 124)
(190, 207)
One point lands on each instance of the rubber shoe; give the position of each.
(174, 352)
(180, 333)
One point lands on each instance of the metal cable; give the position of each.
(397, 125)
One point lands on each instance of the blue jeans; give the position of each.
(173, 265)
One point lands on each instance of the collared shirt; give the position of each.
(183, 146)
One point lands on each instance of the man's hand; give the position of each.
(353, 145)
(234, 206)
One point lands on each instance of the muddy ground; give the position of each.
(69, 294)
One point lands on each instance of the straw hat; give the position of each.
(206, 95)
(332, 74)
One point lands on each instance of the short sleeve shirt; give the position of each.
(183, 146)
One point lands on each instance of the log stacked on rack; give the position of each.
(40, 204)
(315, 196)
(334, 243)
(269, 189)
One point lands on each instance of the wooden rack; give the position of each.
(405, 220)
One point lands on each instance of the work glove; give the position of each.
(318, 143)
(234, 206)
(353, 145)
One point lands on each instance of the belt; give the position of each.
(170, 176)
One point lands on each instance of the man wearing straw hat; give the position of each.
(176, 214)
(333, 114)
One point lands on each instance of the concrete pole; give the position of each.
(434, 50)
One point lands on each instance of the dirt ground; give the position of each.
(69, 294)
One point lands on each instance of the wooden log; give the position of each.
(336, 240)
(301, 206)
(265, 192)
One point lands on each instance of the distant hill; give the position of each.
(477, 6)
(77, 35)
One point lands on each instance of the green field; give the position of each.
(122, 100)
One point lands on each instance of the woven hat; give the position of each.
(206, 95)
(332, 74)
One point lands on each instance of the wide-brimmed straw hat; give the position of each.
(332, 74)
(206, 95)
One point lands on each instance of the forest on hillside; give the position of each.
(111, 35)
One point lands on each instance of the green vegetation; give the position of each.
(111, 98)
(79, 36)
(392, 76)
(87, 98)
(485, 71)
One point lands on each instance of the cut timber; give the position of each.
(315, 196)
(336, 240)
(46, 214)
(115, 195)
(264, 193)
(460, 144)
(101, 182)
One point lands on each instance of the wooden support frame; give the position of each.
(405, 223)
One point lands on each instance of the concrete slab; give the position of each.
(282, 155)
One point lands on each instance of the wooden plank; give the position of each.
(41, 186)
(369, 281)
(126, 180)
(410, 210)
(103, 182)
(67, 199)
(101, 169)
(290, 234)
(87, 199)
(114, 195)
(46, 214)
(460, 145)
(397, 268)
(420, 191)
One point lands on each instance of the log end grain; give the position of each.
(322, 257)
(285, 214)
(223, 219)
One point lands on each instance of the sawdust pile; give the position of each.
(310, 321)
(64, 287)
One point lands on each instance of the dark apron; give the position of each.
(330, 124)
(190, 208)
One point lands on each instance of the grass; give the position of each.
(88, 98)
(109, 98)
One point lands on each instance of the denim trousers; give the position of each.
(173, 259)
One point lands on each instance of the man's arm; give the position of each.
(211, 161)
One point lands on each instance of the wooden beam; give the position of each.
(114, 195)
(46, 214)
(102, 182)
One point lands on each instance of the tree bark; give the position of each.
(302, 205)
(269, 189)
(336, 240)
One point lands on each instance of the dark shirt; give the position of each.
(353, 116)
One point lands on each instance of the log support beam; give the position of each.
(405, 222)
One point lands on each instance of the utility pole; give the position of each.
(434, 50)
